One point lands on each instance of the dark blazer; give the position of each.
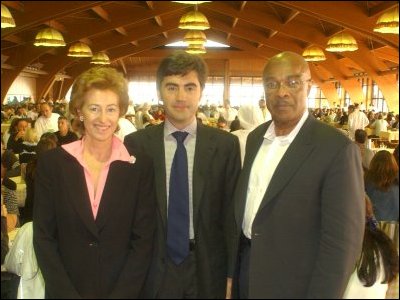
(308, 231)
(215, 171)
(81, 257)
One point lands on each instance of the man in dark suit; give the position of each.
(299, 202)
(213, 166)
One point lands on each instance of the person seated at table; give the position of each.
(26, 212)
(10, 162)
(9, 196)
(360, 137)
(382, 186)
(64, 134)
(17, 131)
(28, 147)
(9, 281)
(379, 125)
(378, 264)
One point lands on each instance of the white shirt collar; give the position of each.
(169, 128)
(286, 139)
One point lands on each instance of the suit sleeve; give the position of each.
(231, 175)
(58, 283)
(137, 264)
(342, 225)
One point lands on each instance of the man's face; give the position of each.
(181, 96)
(286, 89)
(46, 110)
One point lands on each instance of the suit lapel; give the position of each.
(204, 150)
(114, 191)
(156, 143)
(76, 190)
(296, 154)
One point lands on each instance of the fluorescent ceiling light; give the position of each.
(208, 44)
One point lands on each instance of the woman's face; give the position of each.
(100, 112)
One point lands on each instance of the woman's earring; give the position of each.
(81, 118)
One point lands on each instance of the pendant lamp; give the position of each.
(100, 58)
(49, 37)
(195, 37)
(196, 49)
(194, 20)
(342, 42)
(79, 49)
(314, 53)
(387, 23)
(7, 19)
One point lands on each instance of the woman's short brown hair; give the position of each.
(101, 78)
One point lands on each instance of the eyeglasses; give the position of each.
(291, 84)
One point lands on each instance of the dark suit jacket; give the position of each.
(308, 231)
(215, 171)
(81, 257)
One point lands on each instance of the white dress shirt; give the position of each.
(268, 157)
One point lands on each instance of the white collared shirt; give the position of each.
(170, 145)
(267, 159)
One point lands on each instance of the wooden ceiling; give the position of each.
(133, 34)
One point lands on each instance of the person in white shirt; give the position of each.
(264, 110)
(249, 117)
(379, 125)
(357, 120)
(299, 200)
(48, 121)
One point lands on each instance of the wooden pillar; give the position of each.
(226, 81)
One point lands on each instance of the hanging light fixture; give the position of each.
(387, 23)
(7, 19)
(194, 20)
(195, 37)
(342, 42)
(100, 58)
(191, 2)
(196, 49)
(49, 37)
(314, 53)
(79, 49)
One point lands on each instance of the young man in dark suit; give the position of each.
(212, 165)
(299, 202)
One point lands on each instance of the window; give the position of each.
(316, 98)
(378, 101)
(143, 90)
(245, 90)
(213, 92)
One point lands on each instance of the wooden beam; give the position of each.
(13, 39)
(17, 5)
(150, 4)
(242, 5)
(102, 13)
(58, 26)
(121, 30)
(235, 22)
(165, 34)
(382, 7)
(158, 20)
(121, 61)
(272, 33)
(291, 16)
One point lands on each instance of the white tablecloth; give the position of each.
(389, 135)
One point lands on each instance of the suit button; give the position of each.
(93, 244)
